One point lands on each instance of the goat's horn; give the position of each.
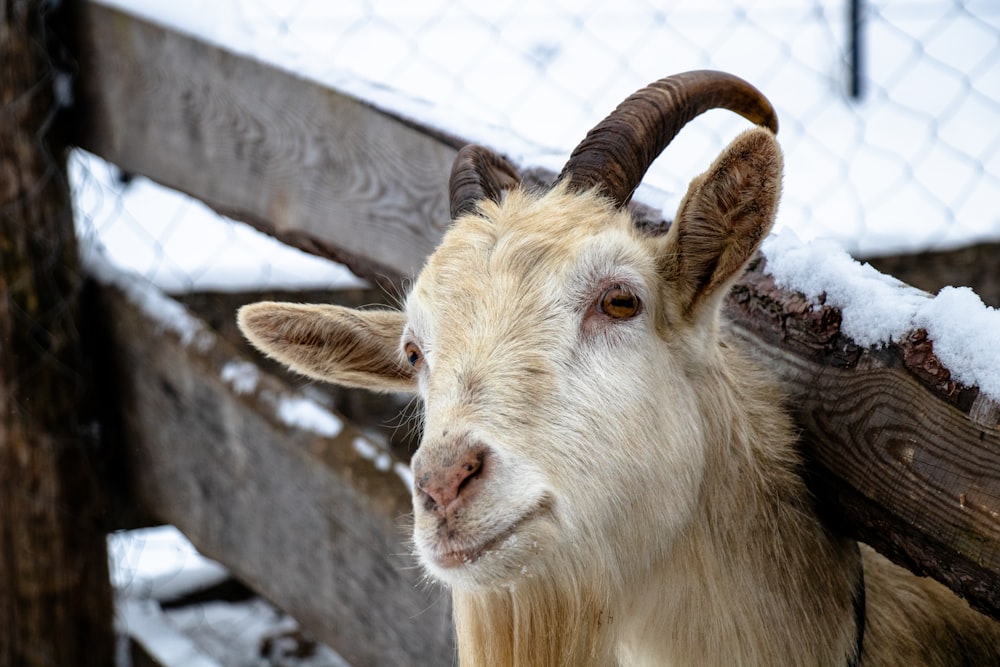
(478, 173)
(615, 155)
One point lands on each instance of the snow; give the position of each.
(142, 620)
(965, 334)
(180, 245)
(155, 564)
(530, 79)
(159, 563)
(241, 376)
(305, 413)
(877, 309)
(251, 633)
(383, 460)
(405, 473)
(152, 566)
(368, 450)
(166, 312)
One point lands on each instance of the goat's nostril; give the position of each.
(445, 485)
(471, 470)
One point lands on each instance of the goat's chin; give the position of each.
(498, 556)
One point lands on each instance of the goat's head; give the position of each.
(555, 346)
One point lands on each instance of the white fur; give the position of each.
(639, 499)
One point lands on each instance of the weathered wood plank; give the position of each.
(333, 176)
(306, 519)
(901, 456)
(310, 165)
(387, 415)
(55, 595)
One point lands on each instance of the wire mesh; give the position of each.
(912, 164)
(892, 141)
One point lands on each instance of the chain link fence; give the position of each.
(911, 162)
(890, 116)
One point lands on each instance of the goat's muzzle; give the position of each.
(445, 482)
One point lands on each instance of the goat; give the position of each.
(603, 478)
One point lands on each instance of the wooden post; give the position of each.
(338, 177)
(55, 598)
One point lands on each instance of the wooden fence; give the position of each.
(900, 456)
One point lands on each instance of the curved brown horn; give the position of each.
(478, 173)
(615, 155)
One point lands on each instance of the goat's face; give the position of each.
(538, 335)
(554, 347)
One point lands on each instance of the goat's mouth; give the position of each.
(450, 553)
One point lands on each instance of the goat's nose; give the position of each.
(445, 484)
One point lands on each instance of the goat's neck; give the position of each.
(756, 578)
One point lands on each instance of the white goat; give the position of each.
(603, 480)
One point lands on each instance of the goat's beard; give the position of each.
(561, 615)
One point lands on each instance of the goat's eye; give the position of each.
(414, 355)
(618, 303)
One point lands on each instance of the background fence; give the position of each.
(912, 162)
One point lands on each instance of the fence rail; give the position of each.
(336, 176)
(309, 514)
(922, 142)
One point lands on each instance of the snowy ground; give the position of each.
(151, 569)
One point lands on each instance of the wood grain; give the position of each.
(301, 161)
(55, 597)
(304, 519)
(901, 456)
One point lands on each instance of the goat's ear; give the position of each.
(721, 222)
(356, 348)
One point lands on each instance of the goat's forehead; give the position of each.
(534, 242)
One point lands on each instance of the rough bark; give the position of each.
(900, 454)
(55, 601)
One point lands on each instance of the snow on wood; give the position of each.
(877, 309)
(159, 563)
(307, 414)
(181, 245)
(376, 455)
(297, 513)
(906, 448)
(901, 455)
(163, 607)
(165, 313)
(326, 166)
(242, 376)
